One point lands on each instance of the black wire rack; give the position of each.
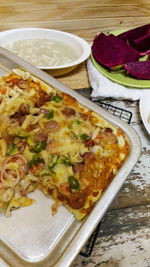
(123, 114)
(126, 116)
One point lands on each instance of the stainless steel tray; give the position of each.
(32, 236)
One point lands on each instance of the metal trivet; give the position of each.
(88, 248)
(126, 116)
(123, 114)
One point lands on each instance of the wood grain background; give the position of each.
(83, 18)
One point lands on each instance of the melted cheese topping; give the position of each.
(51, 142)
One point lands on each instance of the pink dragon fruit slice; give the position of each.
(142, 44)
(138, 38)
(139, 69)
(110, 51)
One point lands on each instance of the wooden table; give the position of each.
(124, 236)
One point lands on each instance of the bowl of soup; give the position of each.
(58, 52)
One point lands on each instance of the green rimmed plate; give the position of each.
(120, 76)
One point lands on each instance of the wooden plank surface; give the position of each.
(124, 236)
(83, 18)
(120, 241)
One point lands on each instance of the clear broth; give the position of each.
(43, 52)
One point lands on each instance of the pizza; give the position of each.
(50, 142)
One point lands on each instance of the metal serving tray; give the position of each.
(32, 236)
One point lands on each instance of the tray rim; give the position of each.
(93, 219)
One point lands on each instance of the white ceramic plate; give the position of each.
(78, 44)
(145, 110)
(121, 77)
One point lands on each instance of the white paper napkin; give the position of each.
(102, 87)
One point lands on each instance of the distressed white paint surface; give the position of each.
(122, 250)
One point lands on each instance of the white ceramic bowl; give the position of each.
(74, 41)
(145, 110)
